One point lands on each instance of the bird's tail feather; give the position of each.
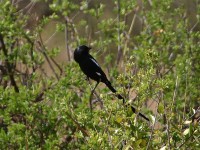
(108, 84)
(140, 114)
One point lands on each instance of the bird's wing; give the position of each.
(93, 70)
(96, 67)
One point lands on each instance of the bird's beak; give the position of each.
(89, 48)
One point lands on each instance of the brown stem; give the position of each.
(42, 50)
(153, 126)
(57, 65)
(66, 38)
(119, 32)
(85, 133)
(8, 65)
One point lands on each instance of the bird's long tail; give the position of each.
(108, 84)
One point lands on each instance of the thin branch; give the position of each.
(194, 26)
(171, 67)
(167, 121)
(198, 109)
(130, 29)
(46, 57)
(8, 65)
(57, 65)
(119, 32)
(76, 35)
(168, 134)
(67, 38)
(40, 95)
(175, 91)
(185, 141)
(52, 36)
(153, 126)
(28, 7)
(150, 2)
(85, 133)
(186, 90)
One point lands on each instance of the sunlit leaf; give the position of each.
(186, 131)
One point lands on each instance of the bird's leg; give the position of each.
(92, 92)
(98, 99)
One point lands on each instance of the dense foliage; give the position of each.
(156, 68)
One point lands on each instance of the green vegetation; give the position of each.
(157, 64)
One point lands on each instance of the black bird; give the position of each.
(92, 70)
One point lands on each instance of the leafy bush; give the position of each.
(157, 65)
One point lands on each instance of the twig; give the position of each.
(175, 91)
(171, 67)
(31, 51)
(46, 57)
(130, 29)
(150, 3)
(194, 26)
(39, 96)
(185, 141)
(28, 7)
(186, 90)
(168, 133)
(8, 65)
(85, 133)
(153, 126)
(119, 32)
(74, 29)
(198, 109)
(66, 38)
(167, 122)
(57, 65)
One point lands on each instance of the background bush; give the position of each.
(45, 102)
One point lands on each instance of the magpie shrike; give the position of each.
(92, 70)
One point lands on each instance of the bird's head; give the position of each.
(81, 52)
